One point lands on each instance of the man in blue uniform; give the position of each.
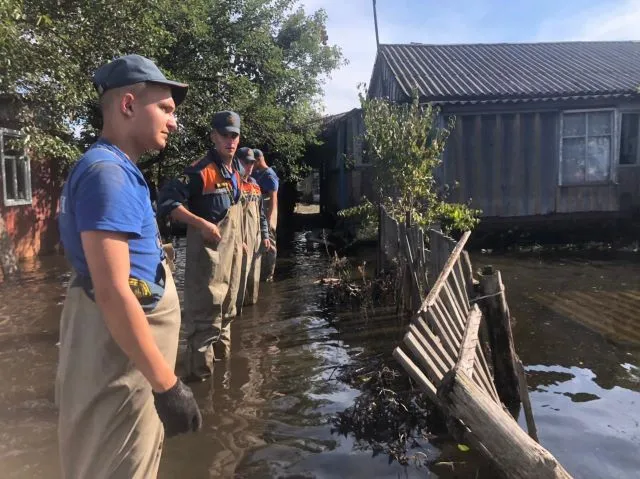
(210, 188)
(268, 182)
(115, 384)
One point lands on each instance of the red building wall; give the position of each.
(34, 228)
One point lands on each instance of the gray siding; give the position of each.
(506, 163)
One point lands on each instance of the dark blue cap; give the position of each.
(131, 69)
(257, 153)
(246, 154)
(226, 122)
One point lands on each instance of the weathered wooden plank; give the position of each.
(485, 375)
(450, 300)
(467, 357)
(455, 326)
(417, 375)
(415, 289)
(526, 402)
(451, 261)
(461, 285)
(447, 341)
(468, 273)
(448, 324)
(433, 353)
(498, 318)
(424, 359)
(494, 433)
(434, 341)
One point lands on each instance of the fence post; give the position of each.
(503, 353)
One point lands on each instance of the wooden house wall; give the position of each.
(506, 164)
(384, 83)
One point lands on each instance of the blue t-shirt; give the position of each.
(267, 180)
(106, 191)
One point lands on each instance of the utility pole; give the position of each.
(375, 22)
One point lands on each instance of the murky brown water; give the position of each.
(266, 413)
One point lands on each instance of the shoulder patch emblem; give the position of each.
(184, 179)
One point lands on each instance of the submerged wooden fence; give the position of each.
(444, 334)
(443, 352)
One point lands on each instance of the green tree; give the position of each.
(405, 145)
(264, 59)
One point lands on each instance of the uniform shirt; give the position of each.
(105, 191)
(208, 187)
(267, 180)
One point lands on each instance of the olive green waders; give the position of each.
(108, 426)
(269, 259)
(251, 259)
(211, 283)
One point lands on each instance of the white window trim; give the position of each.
(633, 111)
(615, 128)
(3, 171)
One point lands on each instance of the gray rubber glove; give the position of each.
(178, 410)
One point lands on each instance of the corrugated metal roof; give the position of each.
(486, 72)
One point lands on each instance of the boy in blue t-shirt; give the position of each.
(115, 386)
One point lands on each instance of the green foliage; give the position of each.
(365, 217)
(265, 59)
(405, 144)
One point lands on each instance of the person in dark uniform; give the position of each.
(210, 188)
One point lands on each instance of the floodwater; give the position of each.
(266, 413)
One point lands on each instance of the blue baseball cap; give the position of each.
(131, 69)
(226, 122)
(246, 154)
(257, 153)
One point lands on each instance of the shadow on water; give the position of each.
(267, 412)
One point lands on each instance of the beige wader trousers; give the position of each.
(108, 426)
(211, 284)
(251, 259)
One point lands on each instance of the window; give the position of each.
(586, 147)
(629, 133)
(16, 169)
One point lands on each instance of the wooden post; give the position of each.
(492, 432)
(496, 312)
(526, 402)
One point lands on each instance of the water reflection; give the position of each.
(584, 387)
(267, 411)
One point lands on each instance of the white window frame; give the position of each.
(615, 122)
(634, 111)
(3, 169)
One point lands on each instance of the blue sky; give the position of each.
(350, 26)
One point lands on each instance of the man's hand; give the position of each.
(245, 248)
(178, 410)
(210, 232)
(266, 243)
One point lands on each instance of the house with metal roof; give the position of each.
(541, 129)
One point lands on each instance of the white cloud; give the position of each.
(604, 22)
